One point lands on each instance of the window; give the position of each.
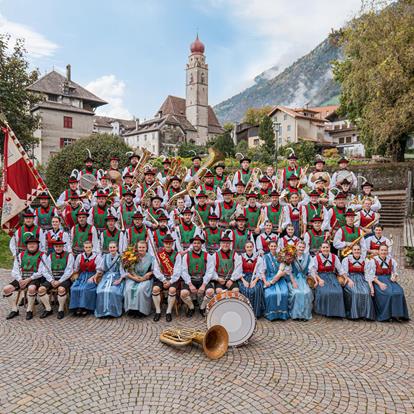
(285, 117)
(348, 140)
(67, 122)
(66, 141)
(288, 127)
(341, 140)
(52, 98)
(256, 142)
(280, 129)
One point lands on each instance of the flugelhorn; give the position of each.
(215, 341)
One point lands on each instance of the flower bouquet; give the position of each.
(285, 257)
(130, 258)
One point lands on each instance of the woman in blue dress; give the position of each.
(358, 300)
(389, 298)
(138, 286)
(249, 275)
(110, 291)
(275, 286)
(300, 294)
(83, 290)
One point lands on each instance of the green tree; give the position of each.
(242, 147)
(254, 116)
(304, 150)
(189, 149)
(15, 100)
(267, 134)
(224, 143)
(102, 147)
(377, 74)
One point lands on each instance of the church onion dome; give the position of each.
(197, 46)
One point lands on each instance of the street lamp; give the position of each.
(276, 129)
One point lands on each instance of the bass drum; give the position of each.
(233, 311)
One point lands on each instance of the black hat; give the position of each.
(156, 197)
(213, 217)
(82, 213)
(168, 239)
(32, 238)
(219, 166)
(197, 238)
(367, 184)
(343, 159)
(28, 213)
(111, 217)
(245, 159)
(227, 191)
(225, 238)
(58, 242)
(44, 196)
(241, 217)
(137, 215)
(196, 157)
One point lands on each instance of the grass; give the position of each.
(6, 259)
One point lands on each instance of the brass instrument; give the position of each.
(214, 157)
(215, 341)
(111, 196)
(303, 175)
(87, 194)
(261, 218)
(265, 199)
(152, 218)
(311, 282)
(198, 221)
(253, 178)
(211, 195)
(321, 174)
(138, 172)
(241, 200)
(348, 250)
(115, 176)
(149, 192)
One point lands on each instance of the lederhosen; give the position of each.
(197, 267)
(225, 267)
(58, 266)
(167, 261)
(29, 263)
(79, 236)
(44, 217)
(212, 239)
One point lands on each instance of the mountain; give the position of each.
(307, 81)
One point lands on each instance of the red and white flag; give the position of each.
(21, 183)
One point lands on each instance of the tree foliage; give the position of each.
(267, 135)
(304, 150)
(15, 100)
(102, 147)
(254, 116)
(189, 149)
(224, 143)
(377, 74)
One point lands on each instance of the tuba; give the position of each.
(214, 157)
(215, 341)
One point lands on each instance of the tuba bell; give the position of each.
(215, 341)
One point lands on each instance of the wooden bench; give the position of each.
(409, 232)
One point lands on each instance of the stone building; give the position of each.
(114, 126)
(181, 120)
(66, 114)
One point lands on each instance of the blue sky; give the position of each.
(133, 53)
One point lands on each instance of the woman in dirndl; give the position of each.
(250, 280)
(300, 294)
(83, 290)
(329, 296)
(389, 298)
(110, 290)
(138, 287)
(275, 286)
(358, 300)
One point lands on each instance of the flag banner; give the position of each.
(21, 182)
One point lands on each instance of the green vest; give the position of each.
(196, 264)
(252, 217)
(186, 235)
(159, 238)
(226, 213)
(109, 237)
(23, 236)
(127, 215)
(154, 214)
(288, 173)
(29, 263)
(74, 213)
(311, 212)
(44, 217)
(340, 217)
(80, 236)
(136, 235)
(350, 237)
(93, 172)
(219, 183)
(99, 217)
(224, 265)
(203, 213)
(273, 215)
(245, 177)
(58, 264)
(315, 240)
(212, 239)
(239, 240)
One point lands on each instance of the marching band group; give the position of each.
(198, 232)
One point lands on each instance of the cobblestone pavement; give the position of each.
(119, 366)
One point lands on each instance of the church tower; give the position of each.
(196, 100)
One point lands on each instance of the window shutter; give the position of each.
(62, 142)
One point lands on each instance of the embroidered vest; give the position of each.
(240, 239)
(329, 268)
(225, 265)
(80, 236)
(109, 237)
(44, 217)
(186, 234)
(135, 235)
(197, 265)
(99, 217)
(58, 264)
(252, 216)
(29, 263)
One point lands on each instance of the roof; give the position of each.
(61, 107)
(53, 83)
(106, 121)
(324, 111)
(296, 113)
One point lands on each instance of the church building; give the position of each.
(181, 120)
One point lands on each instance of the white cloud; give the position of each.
(286, 29)
(112, 90)
(36, 44)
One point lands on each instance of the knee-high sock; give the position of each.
(156, 298)
(188, 301)
(205, 301)
(12, 299)
(171, 301)
(61, 301)
(45, 299)
(30, 302)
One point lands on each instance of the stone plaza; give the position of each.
(119, 366)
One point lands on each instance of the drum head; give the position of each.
(236, 316)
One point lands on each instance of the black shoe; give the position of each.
(190, 313)
(45, 314)
(29, 315)
(61, 315)
(77, 312)
(203, 312)
(168, 317)
(12, 314)
(157, 317)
